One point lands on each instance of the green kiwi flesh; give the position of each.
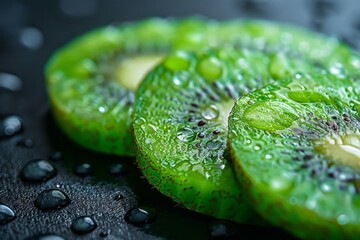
(180, 124)
(91, 81)
(295, 146)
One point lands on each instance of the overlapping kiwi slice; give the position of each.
(91, 81)
(180, 123)
(296, 148)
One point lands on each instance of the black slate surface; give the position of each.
(29, 32)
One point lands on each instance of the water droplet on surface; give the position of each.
(222, 229)
(210, 69)
(269, 156)
(37, 170)
(337, 70)
(6, 214)
(180, 79)
(31, 38)
(10, 125)
(52, 199)
(213, 144)
(140, 215)
(102, 109)
(79, 8)
(118, 169)
(186, 135)
(10, 82)
(49, 236)
(82, 225)
(119, 197)
(147, 141)
(325, 187)
(56, 156)
(211, 112)
(26, 143)
(177, 61)
(83, 170)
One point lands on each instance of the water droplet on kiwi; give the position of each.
(210, 69)
(337, 70)
(269, 156)
(6, 214)
(102, 109)
(186, 135)
(325, 187)
(213, 144)
(211, 112)
(280, 184)
(119, 197)
(52, 199)
(177, 61)
(342, 219)
(82, 225)
(180, 79)
(140, 215)
(37, 170)
(299, 75)
(10, 82)
(147, 141)
(84, 169)
(257, 147)
(10, 125)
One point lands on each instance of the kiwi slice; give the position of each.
(180, 123)
(91, 81)
(296, 149)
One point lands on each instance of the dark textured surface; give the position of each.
(29, 32)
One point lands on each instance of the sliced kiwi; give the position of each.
(91, 81)
(296, 149)
(180, 124)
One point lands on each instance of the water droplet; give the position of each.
(186, 135)
(84, 224)
(56, 156)
(140, 215)
(52, 199)
(180, 79)
(257, 147)
(210, 69)
(269, 156)
(119, 197)
(37, 170)
(49, 236)
(104, 233)
(299, 75)
(343, 219)
(147, 141)
(6, 214)
(213, 144)
(177, 61)
(83, 170)
(31, 38)
(10, 125)
(325, 187)
(222, 230)
(79, 8)
(211, 112)
(118, 169)
(26, 143)
(337, 70)
(102, 109)
(10, 82)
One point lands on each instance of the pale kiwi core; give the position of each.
(343, 149)
(130, 71)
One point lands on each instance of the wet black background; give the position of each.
(31, 30)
